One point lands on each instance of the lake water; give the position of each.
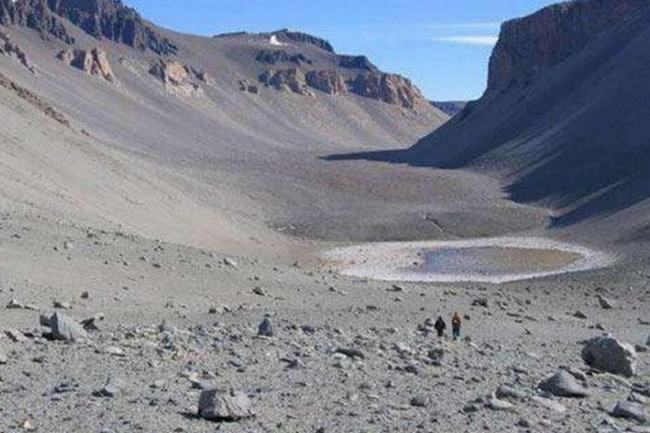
(495, 261)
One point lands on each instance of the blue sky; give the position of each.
(443, 45)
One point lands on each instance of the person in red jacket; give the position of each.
(456, 324)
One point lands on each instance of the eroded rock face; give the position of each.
(533, 44)
(178, 78)
(392, 89)
(102, 19)
(9, 48)
(273, 57)
(288, 80)
(329, 82)
(94, 62)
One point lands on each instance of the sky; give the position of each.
(443, 45)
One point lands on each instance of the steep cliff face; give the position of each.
(564, 119)
(529, 46)
(108, 19)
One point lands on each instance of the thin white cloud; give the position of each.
(479, 40)
(465, 26)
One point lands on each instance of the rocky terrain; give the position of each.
(166, 201)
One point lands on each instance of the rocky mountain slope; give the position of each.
(563, 117)
(243, 118)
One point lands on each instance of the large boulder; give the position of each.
(64, 328)
(563, 384)
(215, 405)
(609, 355)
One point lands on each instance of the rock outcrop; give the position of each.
(273, 57)
(530, 45)
(287, 80)
(94, 62)
(285, 35)
(178, 78)
(102, 19)
(329, 82)
(392, 89)
(9, 48)
(357, 62)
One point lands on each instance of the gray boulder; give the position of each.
(64, 327)
(215, 405)
(562, 384)
(609, 355)
(630, 410)
(3, 358)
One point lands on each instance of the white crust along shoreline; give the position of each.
(394, 261)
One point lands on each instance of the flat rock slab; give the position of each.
(563, 384)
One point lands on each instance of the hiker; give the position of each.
(456, 323)
(440, 326)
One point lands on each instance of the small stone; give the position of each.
(500, 405)
(506, 392)
(218, 406)
(266, 328)
(3, 358)
(629, 410)
(481, 302)
(230, 262)
(113, 388)
(605, 303)
(61, 305)
(15, 336)
(418, 401)
(580, 315)
(351, 353)
(85, 295)
(259, 291)
(28, 426)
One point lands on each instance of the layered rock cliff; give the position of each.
(102, 19)
(529, 46)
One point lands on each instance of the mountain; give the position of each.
(563, 120)
(221, 138)
(450, 107)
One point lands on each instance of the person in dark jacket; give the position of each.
(440, 327)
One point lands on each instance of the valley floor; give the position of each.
(178, 319)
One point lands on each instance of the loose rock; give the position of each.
(609, 355)
(629, 410)
(215, 405)
(562, 384)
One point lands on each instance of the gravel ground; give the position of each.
(346, 354)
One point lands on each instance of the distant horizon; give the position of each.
(443, 49)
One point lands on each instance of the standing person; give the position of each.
(440, 326)
(456, 323)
